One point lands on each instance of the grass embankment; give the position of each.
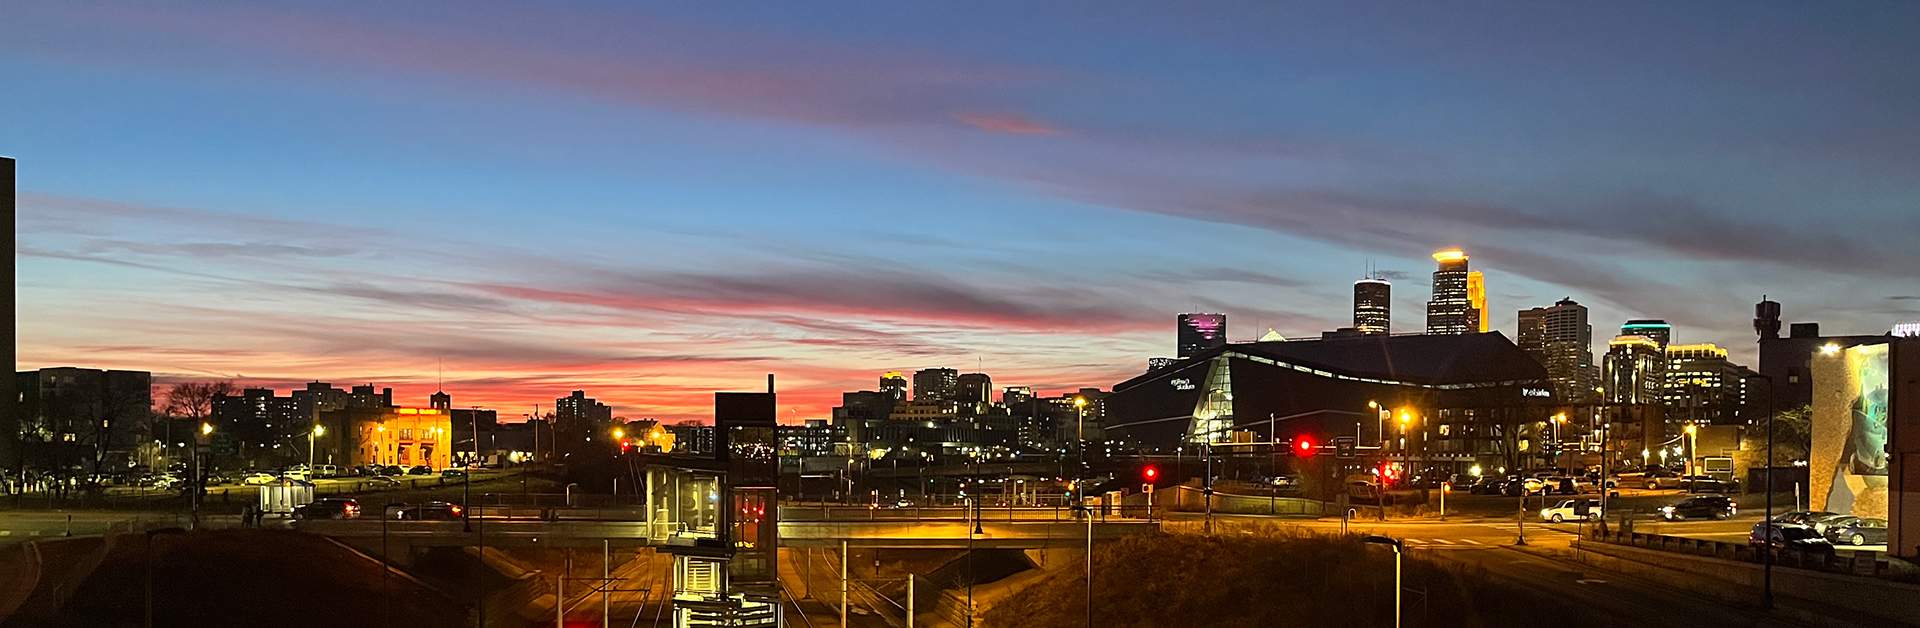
(216, 579)
(1191, 581)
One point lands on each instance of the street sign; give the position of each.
(222, 444)
(1343, 447)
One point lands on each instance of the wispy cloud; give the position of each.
(621, 56)
(1008, 123)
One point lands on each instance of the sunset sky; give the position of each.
(654, 202)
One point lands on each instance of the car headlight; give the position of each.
(1667, 509)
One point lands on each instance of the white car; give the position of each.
(1571, 510)
(258, 479)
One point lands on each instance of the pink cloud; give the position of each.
(1009, 123)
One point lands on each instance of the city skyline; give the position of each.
(354, 193)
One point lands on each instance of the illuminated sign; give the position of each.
(1183, 384)
(1906, 330)
(1535, 392)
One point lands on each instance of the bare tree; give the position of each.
(194, 400)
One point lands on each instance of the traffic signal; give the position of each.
(1150, 474)
(1303, 446)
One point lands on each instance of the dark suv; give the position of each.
(430, 511)
(328, 508)
(1700, 507)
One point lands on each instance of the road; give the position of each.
(18, 526)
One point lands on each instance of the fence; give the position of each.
(1190, 499)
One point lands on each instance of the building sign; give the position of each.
(1535, 392)
(1183, 384)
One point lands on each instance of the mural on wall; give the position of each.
(1849, 457)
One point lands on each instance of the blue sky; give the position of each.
(652, 202)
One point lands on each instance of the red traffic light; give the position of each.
(1304, 445)
(1150, 473)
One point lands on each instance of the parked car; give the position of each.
(328, 508)
(1660, 480)
(1487, 486)
(326, 471)
(297, 474)
(420, 470)
(1571, 510)
(430, 511)
(1701, 507)
(1707, 484)
(380, 481)
(1856, 531)
(1789, 537)
(1801, 517)
(393, 469)
(258, 479)
(453, 474)
(1822, 522)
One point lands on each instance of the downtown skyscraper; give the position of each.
(1373, 306)
(1459, 296)
(1200, 332)
(1559, 337)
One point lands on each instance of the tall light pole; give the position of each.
(1080, 407)
(1395, 544)
(198, 483)
(1766, 595)
(1558, 419)
(1693, 444)
(312, 437)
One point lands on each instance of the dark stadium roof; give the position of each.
(1416, 359)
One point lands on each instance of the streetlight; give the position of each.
(198, 483)
(318, 431)
(1396, 572)
(1693, 445)
(1557, 420)
(1080, 408)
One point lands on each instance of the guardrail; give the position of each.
(1856, 562)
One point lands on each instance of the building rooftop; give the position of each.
(1412, 358)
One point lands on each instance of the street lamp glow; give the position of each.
(319, 430)
(1829, 349)
(1079, 401)
(1373, 404)
(619, 433)
(206, 428)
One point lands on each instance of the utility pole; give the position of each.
(1766, 596)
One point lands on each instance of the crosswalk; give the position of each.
(1449, 543)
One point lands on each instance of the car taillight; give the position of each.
(456, 509)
